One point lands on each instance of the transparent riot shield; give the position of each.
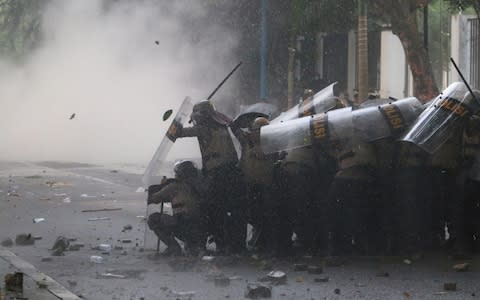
(322, 101)
(152, 175)
(437, 123)
(388, 120)
(302, 132)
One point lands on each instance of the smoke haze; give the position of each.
(101, 63)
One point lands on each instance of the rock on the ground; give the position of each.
(24, 239)
(61, 245)
(461, 267)
(7, 242)
(258, 290)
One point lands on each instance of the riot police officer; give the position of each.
(186, 222)
(219, 166)
(258, 171)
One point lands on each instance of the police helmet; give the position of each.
(259, 122)
(185, 169)
(202, 111)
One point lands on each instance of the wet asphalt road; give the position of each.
(59, 192)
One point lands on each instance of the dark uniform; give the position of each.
(186, 221)
(258, 171)
(219, 166)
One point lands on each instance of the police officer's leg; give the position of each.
(164, 227)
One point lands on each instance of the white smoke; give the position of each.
(103, 65)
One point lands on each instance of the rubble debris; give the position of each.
(24, 239)
(258, 290)
(461, 267)
(277, 277)
(67, 200)
(38, 220)
(221, 280)
(118, 248)
(102, 209)
(322, 279)
(14, 282)
(13, 194)
(46, 259)
(8, 242)
(87, 196)
(61, 245)
(188, 294)
(450, 286)
(111, 275)
(383, 274)
(299, 279)
(337, 291)
(315, 269)
(208, 258)
(103, 247)
(99, 219)
(96, 259)
(140, 190)
(127, 227)
(126, 241)
(407, 261)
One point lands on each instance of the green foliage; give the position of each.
(322, 15)
(462, 5)
(19, 26)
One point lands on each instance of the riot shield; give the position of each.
(261, 109)
(322, 101)
(303, 132)
(388, 120)
(437, 123)
(151, 175)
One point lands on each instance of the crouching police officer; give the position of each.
(186, 222)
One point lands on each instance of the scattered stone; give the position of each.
(111, 275)
(299, 279)
(461, 267)
(118, 248)
(38, 220)
(127, 227)
(61, 245)
(383, 274)
(96, 259)
(46, 259)
(450, 286)
(126, 241)
(277, 277)
(221, 280)
(315, 269)
(24, 240)
(337, 291)
(300, 267)
(258, 290)
(8, 242)
(208, 258)
(407, 261)
(322, 279)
